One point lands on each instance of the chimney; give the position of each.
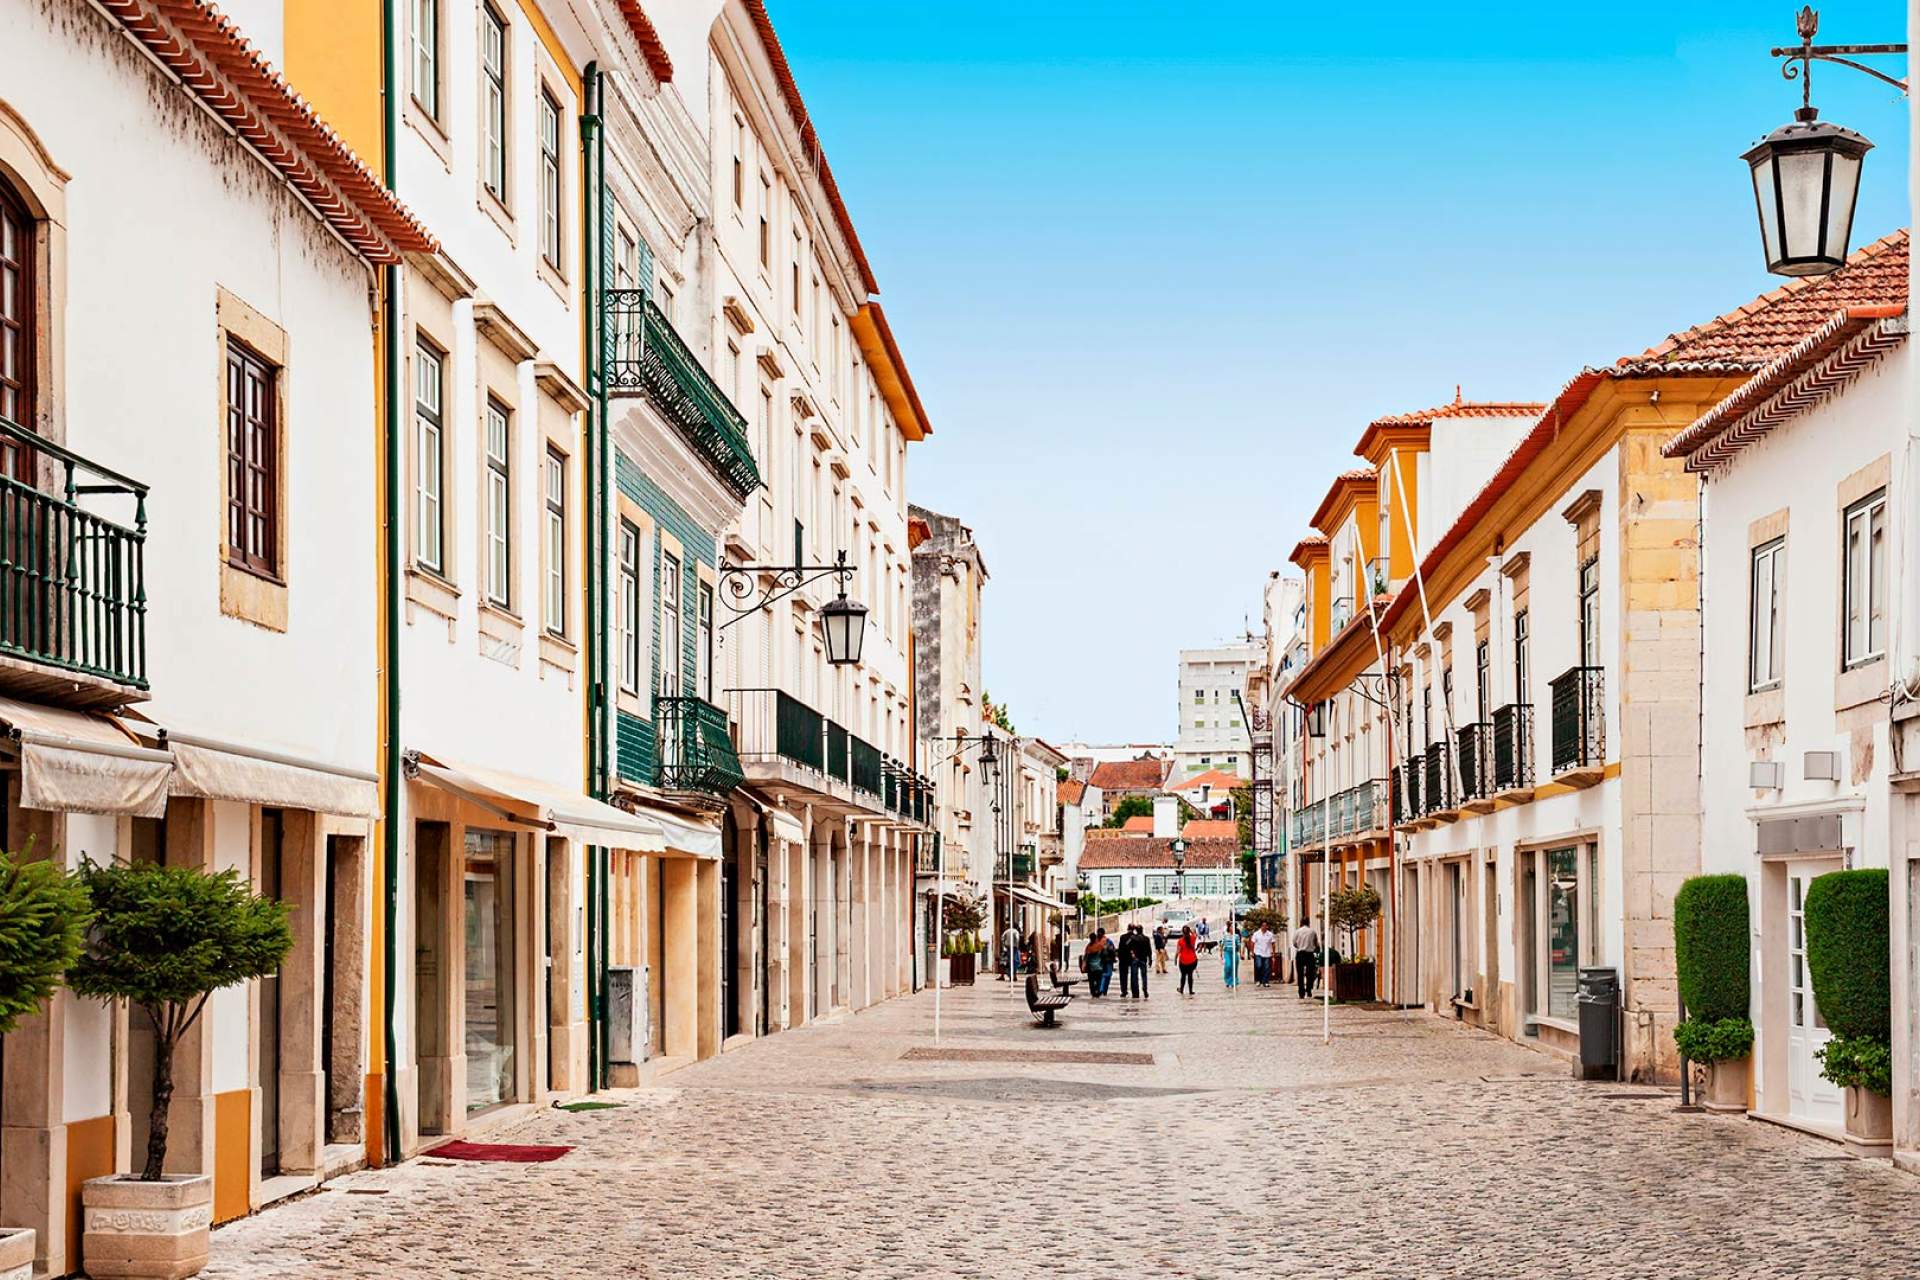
(1166, 817)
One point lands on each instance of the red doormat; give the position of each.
(504, 1152)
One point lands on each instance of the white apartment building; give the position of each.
(1212, 729)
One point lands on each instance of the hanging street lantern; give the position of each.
(843, 623)
(1806, 174)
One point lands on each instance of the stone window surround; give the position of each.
(1861, 685)
(640, 703)
(1764, 706)
(431, 318)
(496, 377)
(246, 593)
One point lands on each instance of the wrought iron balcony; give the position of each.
(1438, 789)
(645, 355)
(695, 749)
(1412, 774)
(1022, 863)
(1513, 747)
(1476, 761)
(1366, 807)
(73, 586)
(1579, 720)
(867, 774)
(836, 751)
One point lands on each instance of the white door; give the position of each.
(1811, 1096)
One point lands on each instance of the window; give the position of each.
(766, 226)
(739, 162)
(493, 100)
(1199, 724)
(1483, 695)
(1763, 621)
(671, 639)
(253, 500)
(16, 317)
(426, 55)
(793, 277)
(556, 542)
(1590, 612)
(499, 507)
(629, 608)
(705, 654)
(1109, 886)
(799, 542)
(1522, 671)
(429, 377)
(1199, 697)
(549, 179)
(1563, 936)
(1863, 606)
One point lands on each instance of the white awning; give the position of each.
(79, 762)
(688, 836)
(227, 771)
(784, 826)
(544, 805)
(1034, 896)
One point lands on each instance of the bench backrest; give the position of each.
(1033, 990)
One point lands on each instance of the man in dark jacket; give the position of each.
(1135, 952)
(1160, 947)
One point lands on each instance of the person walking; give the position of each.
(1124, 953)
(1187, 957)
(1010, 954)
(1160, 948)
(1263, 954)
(1099, 964)
(1230, 959)
(1306, 958)
(1142, 959)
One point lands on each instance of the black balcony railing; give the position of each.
(836, 751)
(800, 736)
(1579, 721)
(1476, 761)
(1412, 776)
(1437, 790)
(1513, 747)
(644, 353)
(73, 586)
(867, 774)
(695, 750)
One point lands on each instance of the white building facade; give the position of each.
(1212, 729)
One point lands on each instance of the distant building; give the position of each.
(1116, 780)
(1124, 866)
(1213, 731)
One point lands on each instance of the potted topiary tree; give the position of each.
(1710, 944)
(961, 926)
(43, 921)
(1350, 909)
(164, 939)
(1848, 958)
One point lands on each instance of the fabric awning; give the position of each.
(227, 771)
(1034, 896)
(784, 826)
(688, 836)
(81, 762)
(543, 804)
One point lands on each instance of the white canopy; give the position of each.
(84, 763)
(228, 771)
(544, 804)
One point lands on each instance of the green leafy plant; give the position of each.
(1710, 947)
(1858, 1062)
(1253, 917)
(1714, 1040)
(164, 939)
(1352, 908)
(43, 923)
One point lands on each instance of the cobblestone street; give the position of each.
(1226, 1141)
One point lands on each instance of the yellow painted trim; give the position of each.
(232, 1154)
(90, 1154)
(1546, 789)
(373, 1115)
(332, 56)
(1611, 771)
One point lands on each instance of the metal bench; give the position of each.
(1043, 1005)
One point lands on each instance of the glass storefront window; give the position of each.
(1563, 937)
(491, 1022)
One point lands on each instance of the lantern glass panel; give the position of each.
(1803, 176)
(1846, 184)
(1764, 176)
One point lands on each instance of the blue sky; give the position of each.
(1154, 266)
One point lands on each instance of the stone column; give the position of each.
(33, 1135)
(846, 945)
(800, 908)
(861, 895)
(680, 1021)
(883, 981)
(303, 1077)
(707, 969)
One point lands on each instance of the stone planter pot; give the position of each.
(1727, 1086)
(16, 1252)
(150, 1230)
(1869, 1122)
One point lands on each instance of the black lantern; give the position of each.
(1179, 867)
(1806, 178)
(843, 622)
(988, 757)
(1317, 720)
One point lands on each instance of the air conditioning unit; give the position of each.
(1766, 775)
(1822, 766)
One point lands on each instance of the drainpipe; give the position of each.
(390, 766)
(599, 476)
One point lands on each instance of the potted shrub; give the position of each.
(43, 921)
(164, 939)
(1849, 960)
(1350, 909)
(964, 915)
(1710, 951)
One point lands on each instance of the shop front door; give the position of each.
(1810, 1096)
(491, 1040)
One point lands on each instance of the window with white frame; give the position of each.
(499, 506)
(670, 637)
(1863, 601)
(556, 486)
(704, 622)
(629, 608)
(549, 179)
(493, 100)
(429, 382)
(426, 56)
(1768, 581)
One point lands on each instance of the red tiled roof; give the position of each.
(1216, 778)
(809, 137)
(651, 47)
(1202, 855)
(1462, 409)
(1131, 775)
(1139, 824)
(1071, 791)
(1211, 829)
(1749, 337)
(211, 56)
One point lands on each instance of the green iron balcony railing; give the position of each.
(867, 775)
(836, 751)
(73, 586)
(695, 750)
(798, 731)
(1476, 761)
(1022, 863)
(1412, 773)
(1579, 721)
(1513, 747)
(645, 355)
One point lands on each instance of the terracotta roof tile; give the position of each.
(1202, 855)
(1216, 778)
(1131, 775)
(651, 46)
(1462, 409)
(1211, 829)
(1139, 824)
(1751, 336)
(1072, 791)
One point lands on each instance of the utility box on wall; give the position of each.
(627, 1026)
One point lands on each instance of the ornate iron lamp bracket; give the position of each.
(1801, 57)
(743, 593)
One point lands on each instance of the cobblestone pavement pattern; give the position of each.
(1410, 1147)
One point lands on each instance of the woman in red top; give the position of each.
(1189, 957)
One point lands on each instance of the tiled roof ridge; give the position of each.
(1462, 409)
(209, 53)
(652, 48)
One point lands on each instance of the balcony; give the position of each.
(645, 356)
(1476, 766)
(694, 748)
(1579, 726)
(781, 739)
(1022, 864)
(1513, 751)
(1437, 789)
(1310, 825)
(1409, 774)
(1358, 811)
(73, 587)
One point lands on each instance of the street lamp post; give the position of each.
(1179, 868)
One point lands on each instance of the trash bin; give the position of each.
(1599, 1004)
